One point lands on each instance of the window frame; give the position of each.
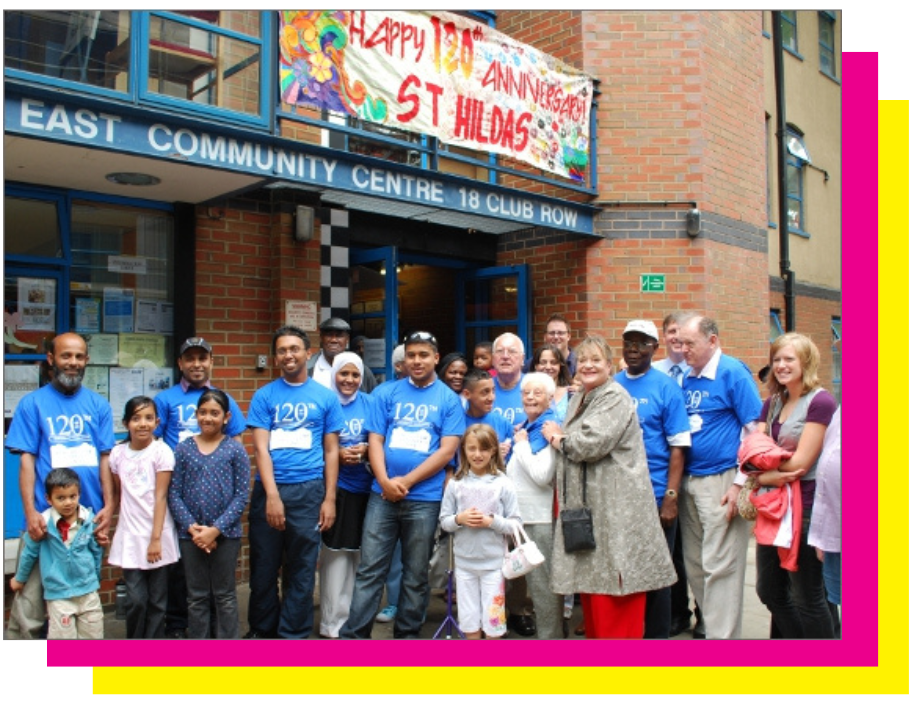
(829, 17)
(799, 165)
(836, 367)
(792, 22)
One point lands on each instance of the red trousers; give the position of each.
(610, 617)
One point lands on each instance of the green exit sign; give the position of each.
(652, 283)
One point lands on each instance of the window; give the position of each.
(826, 43)
(776, 326)
(796, 160)
(195, 59)
(836, 356)
(788, 28)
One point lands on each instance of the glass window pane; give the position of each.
(206, 67)
(31, 228)
(793, 176)
(788, 27)
(74, 46)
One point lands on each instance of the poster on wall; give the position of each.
(155, 380)
(440, 74)
(18, 381)
(88, 315)
(102, 348)
(37, 304)
(153, 316)
(123, 384)
(141, 350)
(118, 310)
(95, 378)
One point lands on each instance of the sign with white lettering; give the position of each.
(194, 142)
(440, 74)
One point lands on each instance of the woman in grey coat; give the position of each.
(601, 443)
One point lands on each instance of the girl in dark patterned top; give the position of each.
(208, 494)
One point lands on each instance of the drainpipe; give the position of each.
(788, 276)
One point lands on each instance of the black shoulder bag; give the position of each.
(576, 523)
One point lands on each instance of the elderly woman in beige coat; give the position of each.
(601, 443)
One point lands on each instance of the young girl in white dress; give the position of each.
(144, 543)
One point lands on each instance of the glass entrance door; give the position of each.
(393, 293)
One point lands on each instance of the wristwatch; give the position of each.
(671, 493)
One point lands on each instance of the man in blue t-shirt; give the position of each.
(666, 435)
(509, 357)
(722, 402)
(414, 431)
(60, 425)
(177, 411)
(296, 426)
(478, 391)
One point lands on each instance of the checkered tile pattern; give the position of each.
(335, 290)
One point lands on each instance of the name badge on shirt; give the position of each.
(418, 441)
(292, 439)
(696, 423)
(72, 456)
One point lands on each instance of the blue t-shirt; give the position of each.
(297, 417)
(414, 421)
(508, 403)
(357, 478)
(177, 411)
(661, 412)
(499, 424)
(64, 431)
(717, 411)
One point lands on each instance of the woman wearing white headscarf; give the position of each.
(341, 544)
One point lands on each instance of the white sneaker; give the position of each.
(387, 614)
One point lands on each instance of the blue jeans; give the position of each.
(413, 522)
(298, 543)
(393, 579)
(795, 599)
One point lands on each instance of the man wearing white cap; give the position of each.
(666, 436)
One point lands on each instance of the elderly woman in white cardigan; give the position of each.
(531, 468)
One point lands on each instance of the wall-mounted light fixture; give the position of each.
(305, 224)
(693, 222)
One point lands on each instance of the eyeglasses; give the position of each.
(637, 346)
(421, 337)
(558, 334)
(509, 352)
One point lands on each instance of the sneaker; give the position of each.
(387, 614)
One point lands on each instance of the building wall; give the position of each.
(813, 104)
(680, 120)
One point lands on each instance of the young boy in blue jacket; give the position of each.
(70, 560)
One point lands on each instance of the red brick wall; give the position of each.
(596, 285)
(813, 318)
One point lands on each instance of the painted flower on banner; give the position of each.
(321, 67)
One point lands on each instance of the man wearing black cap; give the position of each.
(177, 411)
(334, 337)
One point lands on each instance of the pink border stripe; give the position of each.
(859, 647)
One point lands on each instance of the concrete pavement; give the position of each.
(755, 623)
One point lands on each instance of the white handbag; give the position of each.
(525, 557)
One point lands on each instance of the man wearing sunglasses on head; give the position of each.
(414, 431)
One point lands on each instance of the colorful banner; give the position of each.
(443, 75)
